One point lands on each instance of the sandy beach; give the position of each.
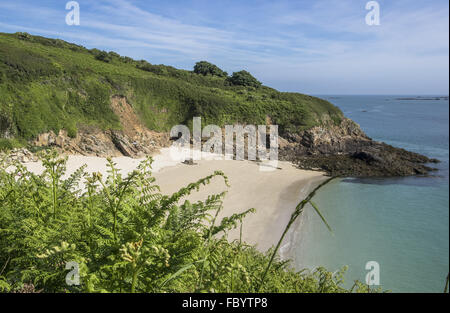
(274, 194)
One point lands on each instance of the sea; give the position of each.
(402, 223)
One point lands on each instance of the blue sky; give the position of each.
(310, 46)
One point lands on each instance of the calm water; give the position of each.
(401, 223)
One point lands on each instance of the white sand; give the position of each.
(97, 164)
(274, 194)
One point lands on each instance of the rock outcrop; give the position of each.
(345, 150)
(22, 155)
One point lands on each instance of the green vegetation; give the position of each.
(127, 237)
(206, 68)
(9, 144)
(244, 78)
(103, 56)
(49, 84)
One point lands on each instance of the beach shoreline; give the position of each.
(274, 194)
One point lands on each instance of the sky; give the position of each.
(309, 46)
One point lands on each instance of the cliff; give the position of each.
(92, 102)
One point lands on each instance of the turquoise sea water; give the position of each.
(402, 223)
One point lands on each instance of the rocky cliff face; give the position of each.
(329, 139)
(345, 150)
(91, 141)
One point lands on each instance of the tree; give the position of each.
(244, 78)
(206, 68)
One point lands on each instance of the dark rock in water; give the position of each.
(345, 150)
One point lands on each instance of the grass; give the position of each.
(48, 84)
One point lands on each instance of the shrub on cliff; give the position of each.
(157, 69)
(206, 68)
(244, 78)
(104, 56)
